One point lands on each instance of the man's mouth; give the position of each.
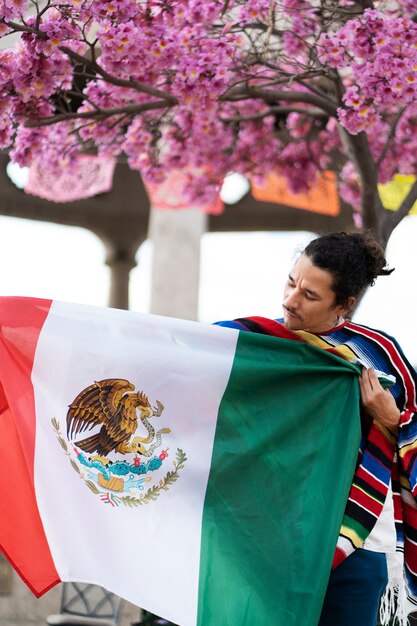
(290, 313)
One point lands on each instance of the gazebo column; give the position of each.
(176, 236)
(121, 259)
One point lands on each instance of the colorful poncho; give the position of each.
(381, 457)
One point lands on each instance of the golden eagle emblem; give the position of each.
(113, 404)
(101, 424)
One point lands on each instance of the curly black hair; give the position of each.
(354, 259)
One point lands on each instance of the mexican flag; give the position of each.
(197, 471)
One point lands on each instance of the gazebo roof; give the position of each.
(120, 217)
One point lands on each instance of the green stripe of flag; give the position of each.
(285, 449)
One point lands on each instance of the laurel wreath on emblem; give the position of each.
(112, 405)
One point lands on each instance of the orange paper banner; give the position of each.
(323, 197)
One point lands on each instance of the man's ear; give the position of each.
(350, 305)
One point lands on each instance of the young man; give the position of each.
(321, 291)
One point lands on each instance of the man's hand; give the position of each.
(378, 402)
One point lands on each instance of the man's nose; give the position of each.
(292, 300)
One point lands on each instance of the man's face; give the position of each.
(309, 300)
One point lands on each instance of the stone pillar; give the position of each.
(120, 261)
(176, 236)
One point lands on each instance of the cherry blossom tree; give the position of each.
(214, 86)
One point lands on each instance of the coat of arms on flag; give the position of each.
(114, 410)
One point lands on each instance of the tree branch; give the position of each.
(273, 111)
(225, 8)
(358, 151)
(287, 78)
(367, 4)
(391, 136)
(131, 109)
(23, 28)
(271, 97)
(260, 26)
(405, 207)
(133, 84)
(311, 87)
(391, 219)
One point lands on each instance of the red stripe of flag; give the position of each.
(22, 537)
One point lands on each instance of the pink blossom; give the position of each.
(6, 127)
(200, 69)
(57, 28)
(11, 9)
